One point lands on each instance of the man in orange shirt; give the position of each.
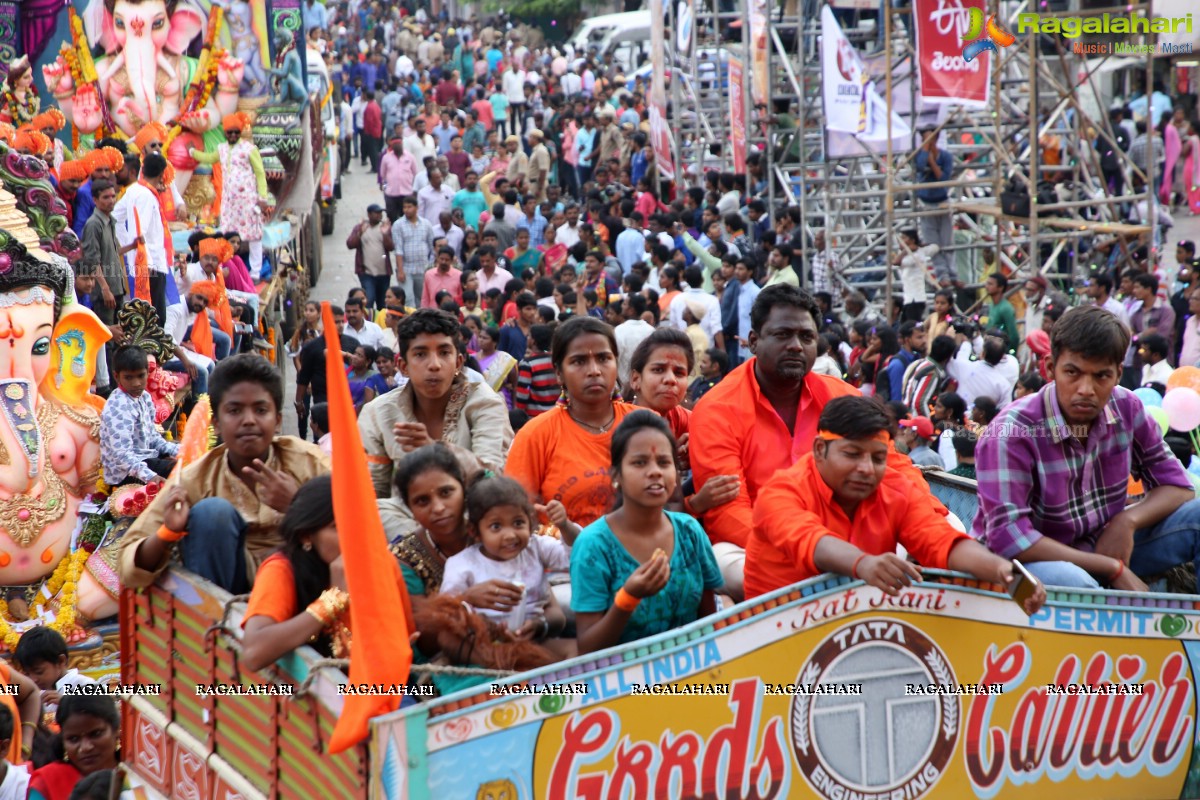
(841, 509)
(762, 417)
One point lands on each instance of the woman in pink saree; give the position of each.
(1172, 145)
(1191, 167)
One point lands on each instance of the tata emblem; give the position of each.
(877, 741)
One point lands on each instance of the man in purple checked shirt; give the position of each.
(1053, 471)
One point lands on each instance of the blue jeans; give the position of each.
(200, 384)
(215, 547)
(1173, 541)
(376, 287)
(1061, 573)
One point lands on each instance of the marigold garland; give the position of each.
(65, 577)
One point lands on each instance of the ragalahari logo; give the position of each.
(975, 28)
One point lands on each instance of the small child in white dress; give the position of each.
(507, 551)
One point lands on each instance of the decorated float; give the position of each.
(117, 68)
(725, 707)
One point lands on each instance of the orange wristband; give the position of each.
(625, 601)
(854, 569)
(1120, 570)
(168, 535)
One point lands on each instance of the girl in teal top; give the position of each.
(641, 570)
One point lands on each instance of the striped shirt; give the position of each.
(1036, 479)
(921, 382)
(537, 385)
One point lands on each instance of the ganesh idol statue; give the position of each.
(144, 77)
(49, 425)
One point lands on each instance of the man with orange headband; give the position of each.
(71, 176)
(29, 142)
(842, 509)
(244, 196)
(140, 213)
(151, 140)
(50, 122)
(101, 165)
(199, 340)
(762, 417)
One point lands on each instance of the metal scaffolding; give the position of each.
(1041, 92)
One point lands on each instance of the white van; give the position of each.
(626, 35)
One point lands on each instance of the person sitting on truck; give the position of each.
(763, 417)
(224, 511)
(841, 509)
(1053, 471)
(89, 738)
(641, 570)
(438, 403)
(42, 654)
(300, 594)
(131, 448)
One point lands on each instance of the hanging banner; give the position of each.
(852, 105)
(947, 77)
(660, 132)
(737, 113)
(758, 51)
(685, 26)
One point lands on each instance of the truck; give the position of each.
(823, 689)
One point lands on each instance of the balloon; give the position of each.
(1188, 377)
(1160, 416)
(1183, 409)
(1149, 397)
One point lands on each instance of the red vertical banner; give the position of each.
(945, 75)
(660, 132)
(737, 113)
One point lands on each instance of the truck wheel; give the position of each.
(314, 243)
(280, 350)
(327, 220)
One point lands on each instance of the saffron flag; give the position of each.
(141, 263)
(380, 613)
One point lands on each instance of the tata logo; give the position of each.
(976, 28)
(882, 741)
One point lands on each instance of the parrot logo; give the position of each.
(976, 28)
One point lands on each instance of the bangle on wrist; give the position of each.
(854, 569)
(1120, 571)
(625, 601)
(688, 507)
(168, 535)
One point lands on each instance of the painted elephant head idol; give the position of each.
(144, 76)
(49, 435)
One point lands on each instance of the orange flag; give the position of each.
(141, 264)
(380, 612)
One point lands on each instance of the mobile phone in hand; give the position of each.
(1024, 584)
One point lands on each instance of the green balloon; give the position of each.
(1159, 415)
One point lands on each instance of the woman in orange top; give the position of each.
(564, 454)
(668, 281)
(658, 375)
(299, 595)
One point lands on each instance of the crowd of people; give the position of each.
(594, 407)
